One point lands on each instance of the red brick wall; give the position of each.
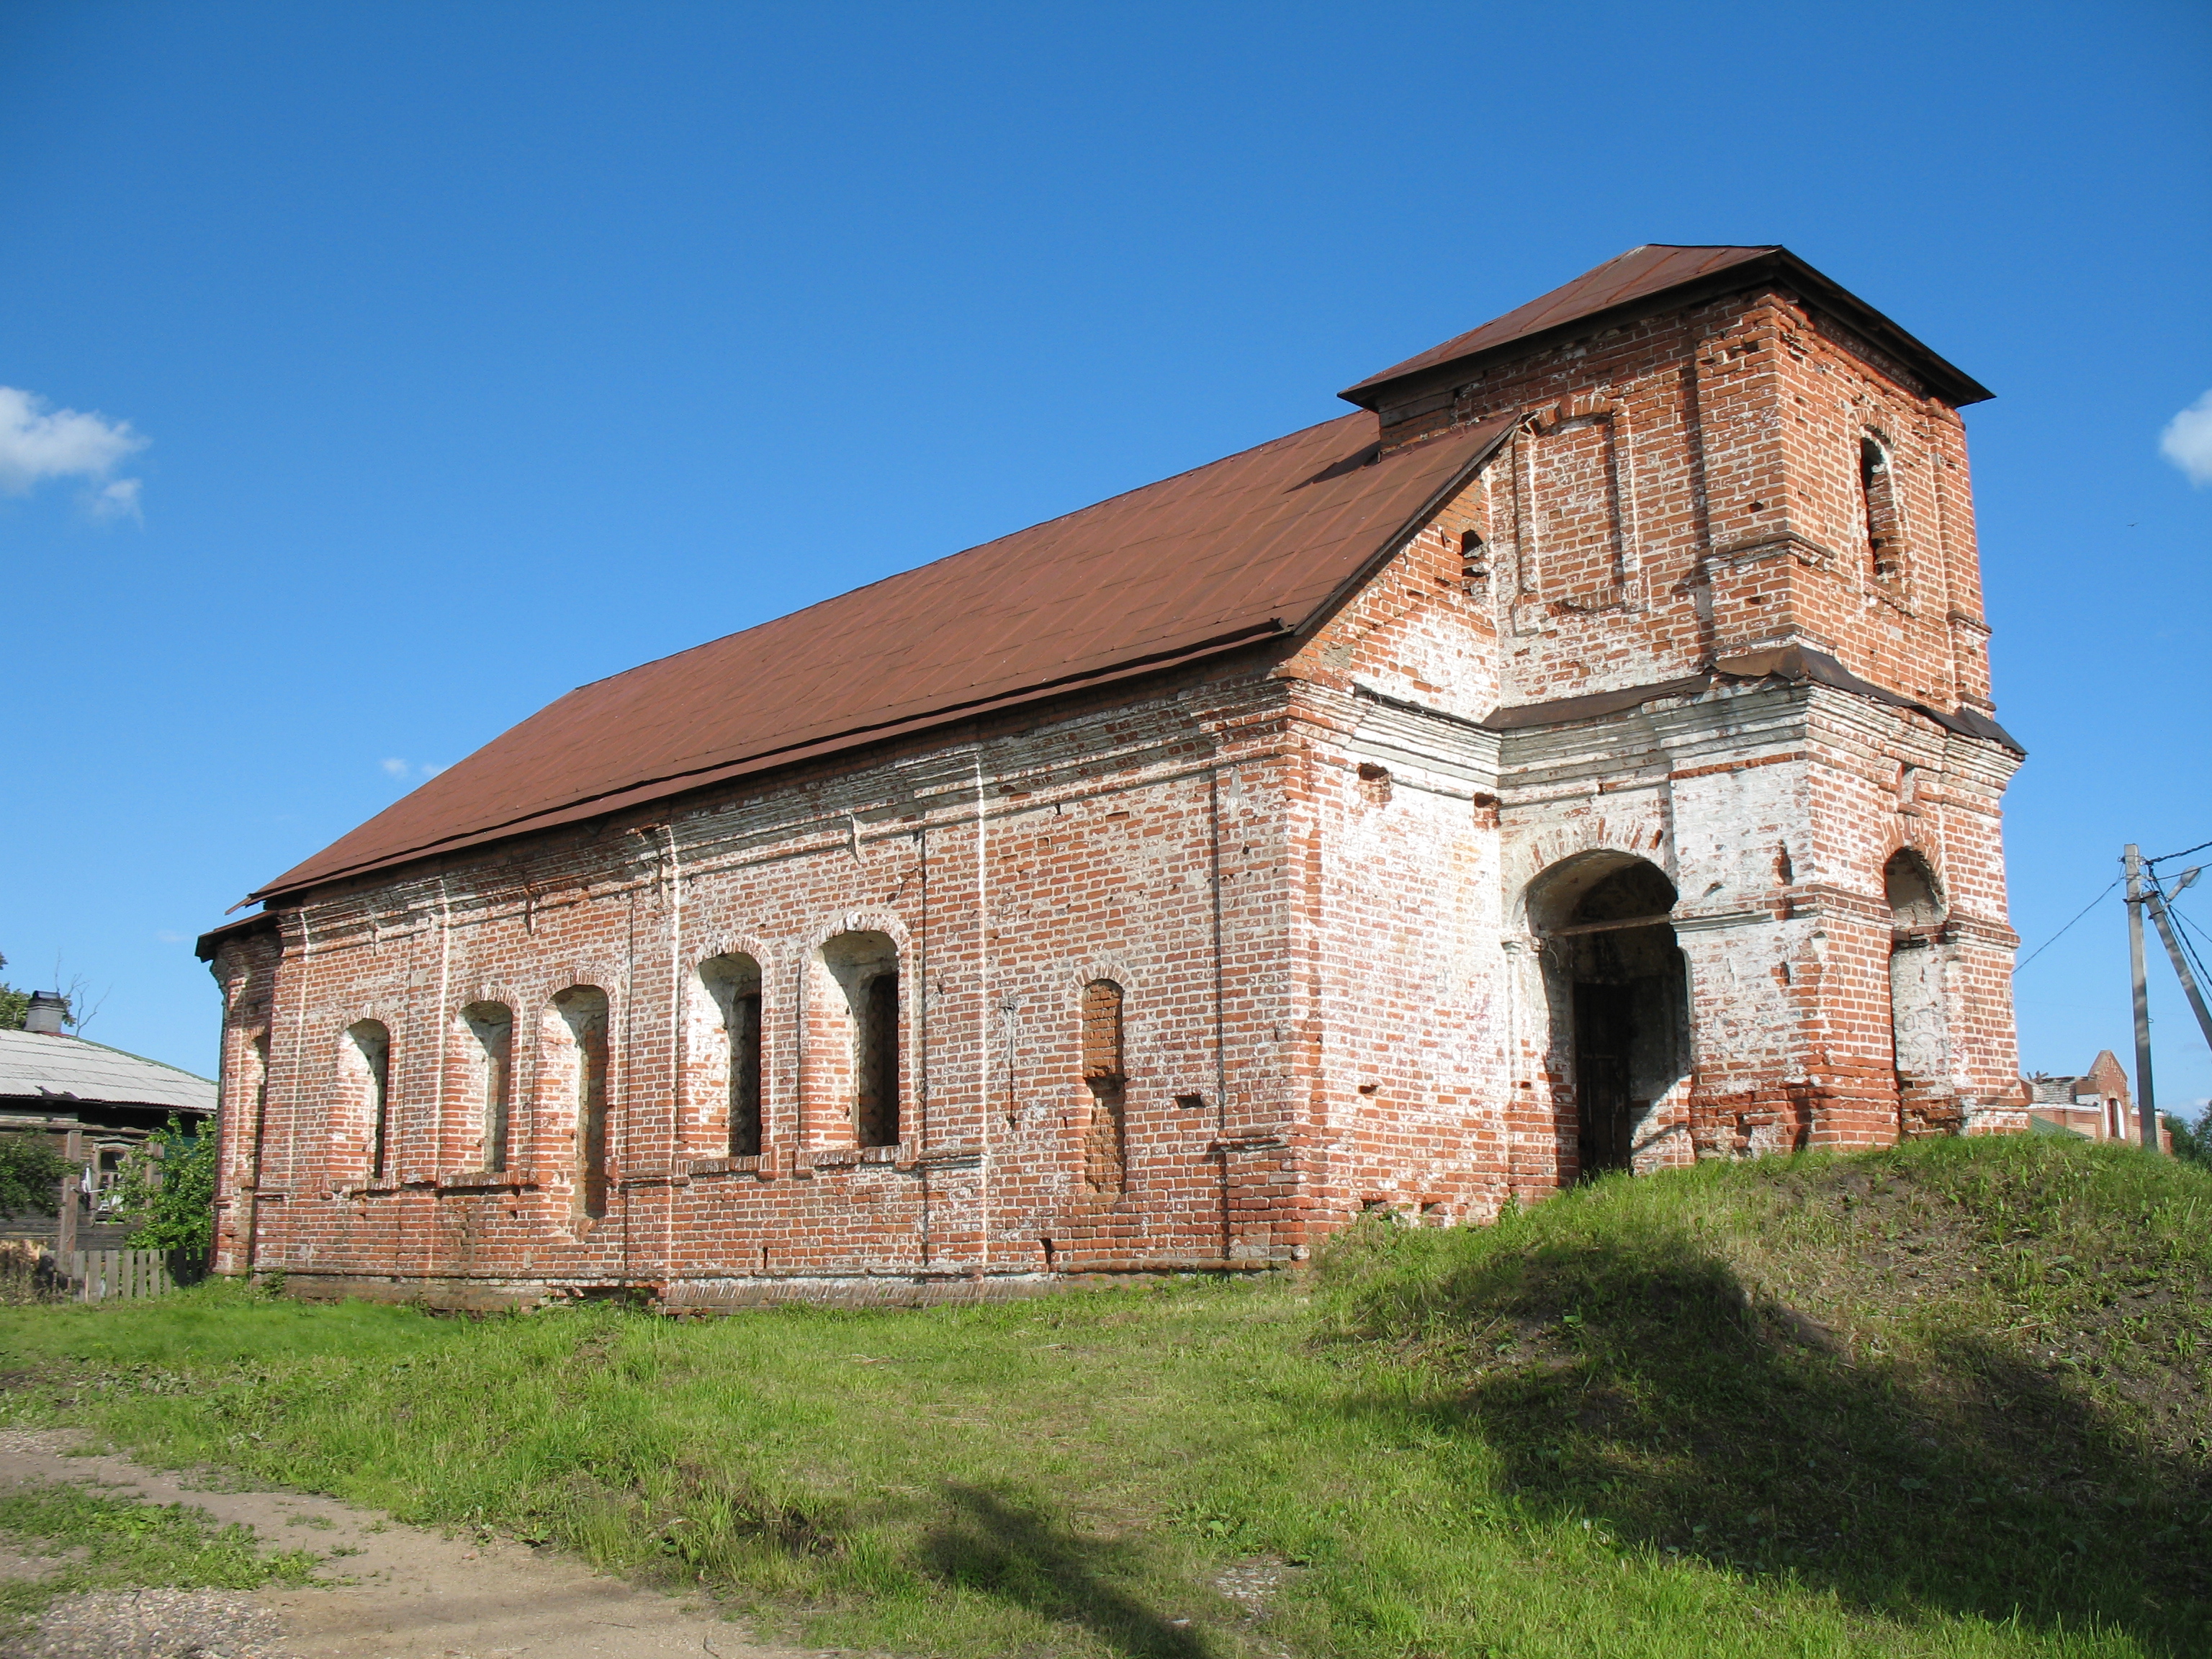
(1310, 870)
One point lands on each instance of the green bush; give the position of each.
(31, 1173)
(2192, 1141)
(168, 1197)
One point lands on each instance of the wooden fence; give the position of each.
(102, 1275)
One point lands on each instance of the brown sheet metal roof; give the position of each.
(1259, 544)
(1634, 280)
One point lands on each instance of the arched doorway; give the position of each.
(1620, 988)
(1918, 1038)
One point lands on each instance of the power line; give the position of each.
(2191, 927)
(2170, 857)
(2063, 931)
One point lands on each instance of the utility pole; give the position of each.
(2158, 914)
(2146, 1097)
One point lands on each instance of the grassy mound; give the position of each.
(1948, 1401)
(1962, 1374)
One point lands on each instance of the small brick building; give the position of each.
(1580, 756)
(2098, 1105)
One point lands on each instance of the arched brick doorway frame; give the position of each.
(1617, 986)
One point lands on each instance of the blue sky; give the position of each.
(471, 353)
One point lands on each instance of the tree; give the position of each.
(167, 1191)
(14, 1005)
(31, 1173)
(2192, 1141)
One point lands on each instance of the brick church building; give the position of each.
(1580, 756)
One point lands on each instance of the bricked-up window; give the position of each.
(1915, 973)
(257, 1053)
(583, 1011)
(733, 981)
(1878, 512)
(1106, 1143)
(368, 1055)
(491, 1063)
(258, 1057)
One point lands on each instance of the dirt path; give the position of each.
(415, 1595)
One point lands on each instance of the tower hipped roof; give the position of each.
(1644, 279)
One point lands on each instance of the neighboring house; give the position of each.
(1578, 757)
(96, 1104)
(2096, 1105)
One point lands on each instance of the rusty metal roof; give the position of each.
(1634, 281)
(1261, 544)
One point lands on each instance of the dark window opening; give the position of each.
(734, 982)
(1878, 512)
(876, 1104)
(1473, 563)
(745, 1076)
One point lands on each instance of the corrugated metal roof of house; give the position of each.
(1261, 544)
(65, 1070)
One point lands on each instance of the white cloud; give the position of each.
(167, 937)
(397, 768)
(2187, 441)
(37, 443)
(430, 771)
(400, 769)
(119, 500)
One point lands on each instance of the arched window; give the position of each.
(866, 966)
(583, 1012)
(1909, 886)
(1106, 1146)
(368, 1053)
(1878, 512)
(734, 982)
(491, 1063)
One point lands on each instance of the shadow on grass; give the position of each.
(1022, 1557)
(1646, 1390)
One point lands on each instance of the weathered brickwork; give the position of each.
(1184, 972)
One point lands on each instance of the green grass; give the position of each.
(112, 1543)
(1947, 1401)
